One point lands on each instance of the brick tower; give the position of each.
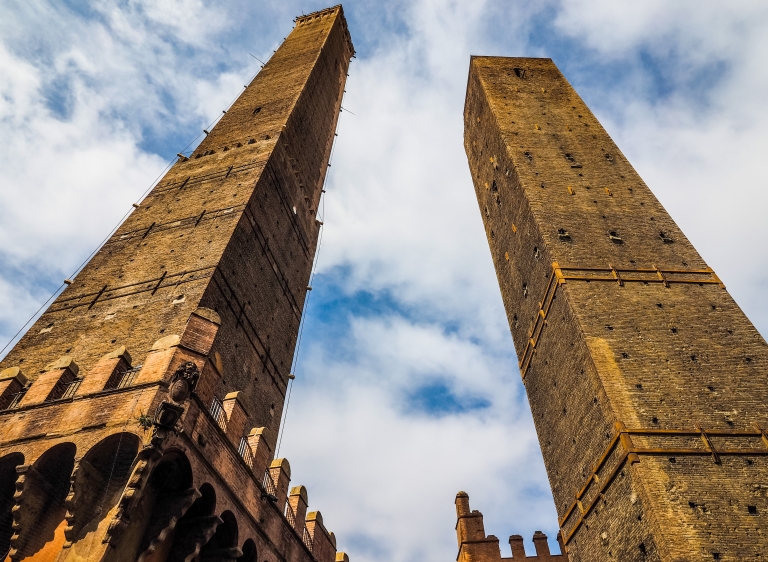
(140, 412)
(646, 381)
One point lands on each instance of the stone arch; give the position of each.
(8, 476)
(249, 552)
(196, 527)
(165, 498)
(97, 483)
(223, 543)
(42, 490)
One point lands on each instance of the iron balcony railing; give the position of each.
(129, 376)
(245, 451)
(217, 411)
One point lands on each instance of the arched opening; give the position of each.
(41, 506)
(99, 481)
(165, 498)
(8, 476)
(249, 552)
(223, 544)
(196, 527)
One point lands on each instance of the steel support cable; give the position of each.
(294, 363)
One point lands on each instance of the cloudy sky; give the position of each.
(407, 388)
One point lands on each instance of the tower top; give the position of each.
(333, 10)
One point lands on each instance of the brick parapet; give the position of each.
(475, 546)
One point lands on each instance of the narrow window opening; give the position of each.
(255, 111)
(519, 72)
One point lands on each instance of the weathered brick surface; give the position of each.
(203, 284)
(553, 187)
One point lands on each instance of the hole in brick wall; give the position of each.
(238, 145)
(673, 460)
(163, 330)
(685, 264)
(519, 72)
(494, 187)
(748, 359)
(525, 290)
(716, 555)
(528, 155)
(692, 504)
(639, 386)
(608, 327)
(535, 252)
(267, 137)
(693, 357)
(251, 141)
(641, 546)
(565, 411)
(113, 341)
(729, 422)
(654, 420)
(255, 111)
(487, 214)
(674, 330)
(714, 307)
(493, 235)
(752, 509)
(563, 234)
(225, 149)
(711, 388)
(749, 462)
(625, 355)
(543, 185)
(615, 238)
(659, 305)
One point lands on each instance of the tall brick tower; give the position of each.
(140, 412)
(646, 381)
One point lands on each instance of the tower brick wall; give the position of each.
(646, 381)
(141, 411)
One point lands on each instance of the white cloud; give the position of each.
(86, 97)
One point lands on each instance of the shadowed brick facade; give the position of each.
(140, 412)
(646, 381)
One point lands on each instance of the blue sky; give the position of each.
(407, 388)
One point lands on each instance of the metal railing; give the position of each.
(290, 516)
(217, 411)
(245, 451)
(307, 538)
(72, 387)
(14, 399)
(127, 378)
(64, 390)
(269, 485)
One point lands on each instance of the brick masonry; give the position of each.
(202, 288)
(646, 381)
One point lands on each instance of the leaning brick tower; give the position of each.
(646, 381)
(140, 412)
